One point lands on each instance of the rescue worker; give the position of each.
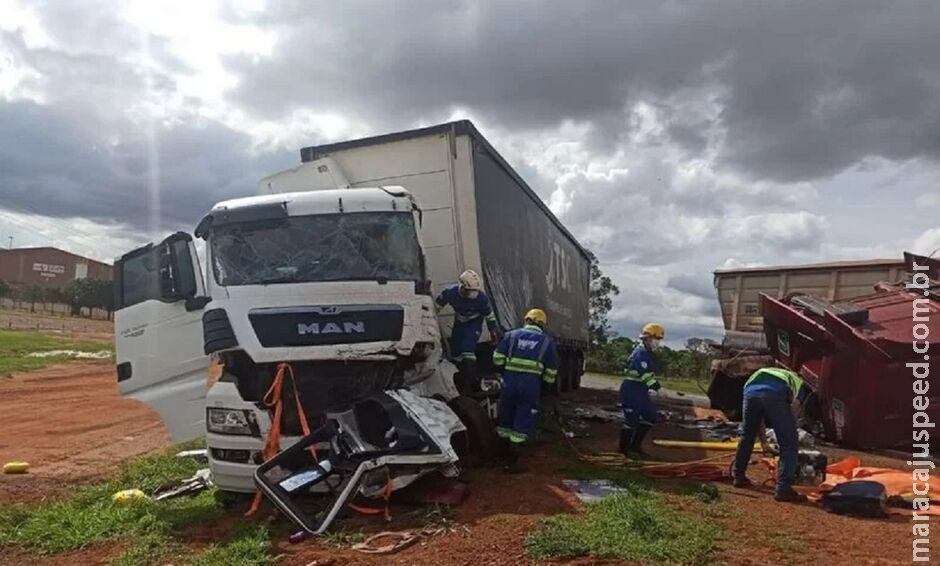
(768, 396)
(471, 307)
(526, 357)
(640, 370)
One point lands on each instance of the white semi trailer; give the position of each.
(332, 269)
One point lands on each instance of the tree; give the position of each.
(5, 289)
(33, 294)
(601, 301)
(78, 295)
(53, 296)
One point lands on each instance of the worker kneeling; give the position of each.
(640, 370)
(768, 396)
(525, 356)
(471, 308)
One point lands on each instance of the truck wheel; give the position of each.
(477, 446)
(574, 372)
(231, 499)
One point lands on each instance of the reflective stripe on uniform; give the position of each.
(550, 375)
(499, 359)
(793, 381)
(467, 318)
(647, 379)
(465, 356)
(490, 317)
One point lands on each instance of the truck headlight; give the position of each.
(231, 421)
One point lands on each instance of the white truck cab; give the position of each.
(332, 282)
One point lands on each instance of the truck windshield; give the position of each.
(328, 247)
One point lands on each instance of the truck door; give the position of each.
(159, 298)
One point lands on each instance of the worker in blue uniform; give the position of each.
(769, 395)
(471, 307)
(640, 371)
(526, 356)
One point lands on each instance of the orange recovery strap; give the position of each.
(273, 398)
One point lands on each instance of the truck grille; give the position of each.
(325, 325)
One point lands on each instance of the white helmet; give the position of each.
(470, 281)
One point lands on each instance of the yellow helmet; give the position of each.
(536, 316)
(653, 330)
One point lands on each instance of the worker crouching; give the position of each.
(525, 356)
(471, 308)
(771, 395)
(640, 371)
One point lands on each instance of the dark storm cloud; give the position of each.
(53, 164)
(79, 153)
(806, 89)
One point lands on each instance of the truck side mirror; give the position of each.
(177, 274)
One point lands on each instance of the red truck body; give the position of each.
(855, 355)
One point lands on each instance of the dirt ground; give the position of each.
(71, 425)
(84, 429)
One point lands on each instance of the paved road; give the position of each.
(592, 381)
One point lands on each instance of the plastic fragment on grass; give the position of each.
(200, 455)
(128, 496)
(592, 491)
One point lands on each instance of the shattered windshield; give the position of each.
(325, 247)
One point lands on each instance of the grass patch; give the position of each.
(250, 546)
(637, 526)
(671, 383)
(15, 347)
(88, 516)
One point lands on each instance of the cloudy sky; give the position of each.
(672, 137)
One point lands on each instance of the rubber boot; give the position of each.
(636, 444)
(626, 438)
(512, 465)
(789, 495)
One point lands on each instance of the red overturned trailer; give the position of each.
(866, 358)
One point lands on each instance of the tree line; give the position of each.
(608, 352)
(79, 294)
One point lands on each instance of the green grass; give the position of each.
(15, 347)
(653, 522)
(638, 526)
(250, 546)
(88, 516)
(149, 530)
(673, 384)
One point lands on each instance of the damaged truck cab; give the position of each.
(331, 282)
(327, 277)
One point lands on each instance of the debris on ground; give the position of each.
(400, 540)
(592, 491)
(190, 486)
(200, 455)
(128, 496)
(74, 354)
(16, 467)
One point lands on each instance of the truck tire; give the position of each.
(231, 499)
(477, 446)
(576, 365)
